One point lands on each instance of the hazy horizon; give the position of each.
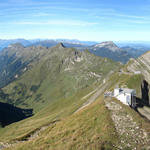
(97, 20)
(42, 39)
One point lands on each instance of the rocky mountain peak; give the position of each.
(60, 45)
(109, 45)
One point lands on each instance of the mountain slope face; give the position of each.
(134, 52)
(15, 59)
(140, 65)
(53, 85)
(55, 73)
(93, 127)
(110, 50)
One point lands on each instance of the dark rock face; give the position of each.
(144, 92)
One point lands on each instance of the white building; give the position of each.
(126, 96)
(137, 72)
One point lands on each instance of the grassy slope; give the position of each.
(56, 110)
(14, 59)
(47, 81)
(52, 92)
(90, 128)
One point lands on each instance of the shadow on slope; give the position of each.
(10, 114)
(144, 100)
(143, 105)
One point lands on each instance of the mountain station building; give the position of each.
(126, 96)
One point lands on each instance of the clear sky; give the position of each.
(95, 20)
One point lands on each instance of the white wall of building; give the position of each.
(116, 92)
(124, 95)
(123, 98)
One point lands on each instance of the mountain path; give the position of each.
(124, 72)
(95, 94)
(130, 133)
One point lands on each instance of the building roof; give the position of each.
(126, 90)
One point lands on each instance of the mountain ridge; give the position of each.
(99, 49)
(140, 65)
(78, 69)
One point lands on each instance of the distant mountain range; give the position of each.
(6, 43)
(134, 44)
(43, 42)
(121, 51)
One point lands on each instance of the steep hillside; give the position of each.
(140, 65)
(14, 61)
(88, 129)
(65, 88)
(54, 85)
(110, 50)
(133, 51)
(60, 126)
(60, 72)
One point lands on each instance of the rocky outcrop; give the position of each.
(130, 133)
(60, 46)
(141, 64)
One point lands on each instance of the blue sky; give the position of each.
(96, 20)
